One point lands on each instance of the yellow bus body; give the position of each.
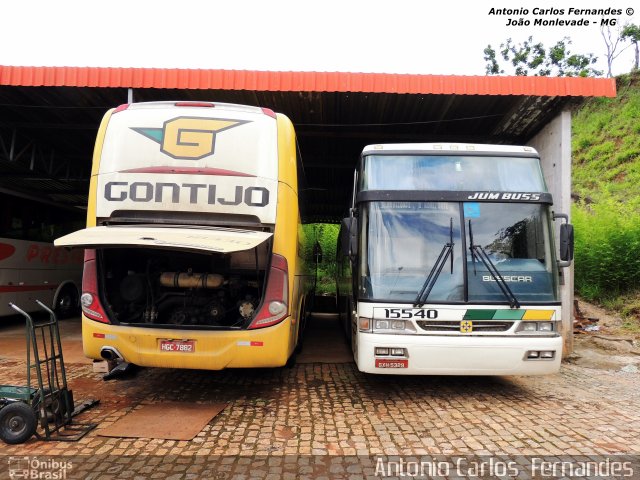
(270, 346)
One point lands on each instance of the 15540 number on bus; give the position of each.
(407, 313)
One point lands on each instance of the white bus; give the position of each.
(30, 266)
(447, 263)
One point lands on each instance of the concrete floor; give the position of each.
(324, 341)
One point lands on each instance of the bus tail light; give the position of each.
(122, 107)
(274, 307)
(195, 104)
(269, 112)
(90, 300)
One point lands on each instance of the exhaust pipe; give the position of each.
(110, 353)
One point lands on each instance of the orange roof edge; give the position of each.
(198, 79)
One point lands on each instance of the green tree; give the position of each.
(326, 235)
(492, 67)
(631, 32)
(533, 58)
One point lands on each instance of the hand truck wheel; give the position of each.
(17, 423)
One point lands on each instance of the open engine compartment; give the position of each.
(157, 287)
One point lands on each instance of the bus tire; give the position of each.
(17, 423)
(67, 302)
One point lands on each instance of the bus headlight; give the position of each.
(394, 326)
(393, 351)
(528, 327)
(382, 325)
(537, 327)
(545, 327)
(540, 355)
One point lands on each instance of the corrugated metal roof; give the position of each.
(49, 117)
(196, 79)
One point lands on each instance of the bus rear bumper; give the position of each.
(207, 349)
(457, 355)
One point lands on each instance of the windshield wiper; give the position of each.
(429, 283)
(478, 252)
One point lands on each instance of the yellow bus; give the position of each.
(193, 256)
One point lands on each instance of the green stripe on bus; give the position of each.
(509, 314)
(479, 314)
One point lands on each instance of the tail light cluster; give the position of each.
(274, 307)
(90, 300)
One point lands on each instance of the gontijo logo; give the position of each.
(190, 138)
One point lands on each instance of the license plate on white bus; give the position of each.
(182, 346)
(389, 363)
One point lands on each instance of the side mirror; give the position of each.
(349, 236)
(566, 242)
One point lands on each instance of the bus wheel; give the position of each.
(17, 423)
(67, 302)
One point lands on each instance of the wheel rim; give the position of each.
(66, 302)
(16, 425)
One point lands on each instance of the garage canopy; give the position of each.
(49, 117)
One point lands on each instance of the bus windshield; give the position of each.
(516, 237)
(401, 242)
(456, 173)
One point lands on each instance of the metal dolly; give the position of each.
(47, 403)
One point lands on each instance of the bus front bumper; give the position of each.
(192, 349)
(458, 355)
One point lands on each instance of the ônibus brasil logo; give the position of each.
(190, 138)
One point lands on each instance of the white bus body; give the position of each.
(31, 268)
(447, 264)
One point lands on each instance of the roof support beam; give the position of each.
(39, 161)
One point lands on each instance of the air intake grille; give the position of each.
(454, 326)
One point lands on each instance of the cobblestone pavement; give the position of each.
(333, 410)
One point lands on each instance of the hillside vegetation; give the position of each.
(606, 191)
(606, 146)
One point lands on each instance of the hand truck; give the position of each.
(46, 401)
